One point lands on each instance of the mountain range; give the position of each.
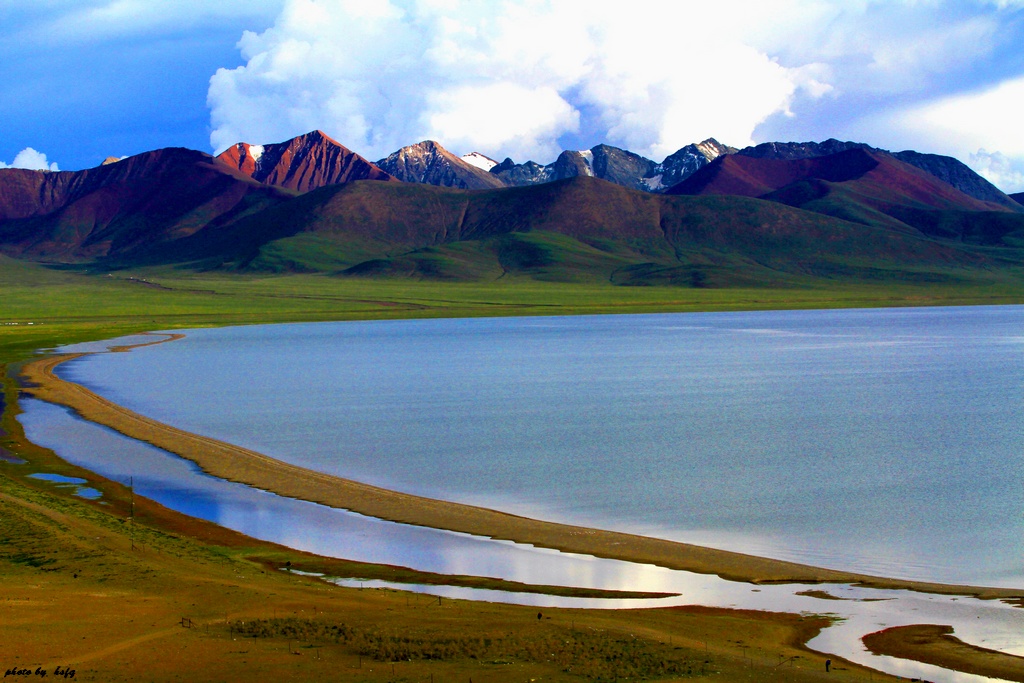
(708, 215)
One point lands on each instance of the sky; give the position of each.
(81, 80)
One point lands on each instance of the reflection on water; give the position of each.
(179, 485)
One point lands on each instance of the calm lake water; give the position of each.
(884, 441)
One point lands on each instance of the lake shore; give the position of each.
(241, 465)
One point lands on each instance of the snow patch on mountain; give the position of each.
(256, 151)
(588, 157)
(654, 184)
(479, 160)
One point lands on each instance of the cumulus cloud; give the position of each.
(519, 120)
(32, 160)
(523, 77)
(502, 78)
(1002, 171)
(989, 118)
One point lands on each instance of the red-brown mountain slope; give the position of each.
(861, 185)
(146, 199)
(878, 174)
(303, 163)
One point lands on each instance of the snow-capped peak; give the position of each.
(256, 151)
(479, 160)
(711, 149)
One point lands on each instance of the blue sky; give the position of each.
(81, 80)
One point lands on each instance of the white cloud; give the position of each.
(990, 118)
(656, 108)
(965, 126)
(511, 77)
(523, 122)
(884, 48)
(1005, 173)
(504, 78)
(32, 160)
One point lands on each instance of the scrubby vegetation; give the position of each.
(591, 654)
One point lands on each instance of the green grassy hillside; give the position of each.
(587, 230)
(174, 209)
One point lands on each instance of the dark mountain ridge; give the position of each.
(568, 229)
(428, 162)
(619, 166)
(739, 219)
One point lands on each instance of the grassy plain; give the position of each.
(163, 596)
(68, 305)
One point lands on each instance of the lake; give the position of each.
(180, 485)
(881, 441)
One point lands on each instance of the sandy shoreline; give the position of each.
(245, 466)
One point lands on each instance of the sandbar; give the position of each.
(242, 465)
(934, 644)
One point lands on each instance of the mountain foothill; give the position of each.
(708, 215)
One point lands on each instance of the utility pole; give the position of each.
(131, 517)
